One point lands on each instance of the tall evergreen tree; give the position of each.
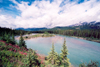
(64, 55)
(13, 39)
(2, 36)
(58, 61)
(7, 38)
(22, 42)
(52, 57)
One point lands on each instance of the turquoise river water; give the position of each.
(79, 50)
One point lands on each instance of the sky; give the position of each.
(47, 13)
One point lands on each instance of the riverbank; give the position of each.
(53, 35)
(89, 39)
(36, 35)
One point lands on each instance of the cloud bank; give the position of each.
(46, 14)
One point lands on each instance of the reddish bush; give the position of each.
(10, 44)
(2, 41)
(10, 49)
(22, 53)
(14, 50)
(6, 44)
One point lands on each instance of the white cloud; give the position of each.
(7, 21)
(46, 14)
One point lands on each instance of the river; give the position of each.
(79, 50)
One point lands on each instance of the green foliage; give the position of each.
(31, 59)
(89, 34)
(59, 60)
(45, 58)
(2, 44)
(46, 32)
(7, 38)
(13, 39)
(2, 37)
(82, 65)
(64, 54)
(22, 42)
(15, 32)
(6, 56)
(53, 57)
(26, 37)
(91, 64)
(8, 64)
(42, 65)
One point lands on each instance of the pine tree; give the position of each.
(2, 36)
(7, 37)
(52, 57)
(58, 60)
(22, 42)
(13, 39)
(64, 55)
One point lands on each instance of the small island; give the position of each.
(38, 35)
(29, 36)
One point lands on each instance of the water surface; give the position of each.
(79, 50)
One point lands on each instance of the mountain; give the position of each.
(19, 28)
(81, 26)
(31, 29)
(86, 25)
(78, 26)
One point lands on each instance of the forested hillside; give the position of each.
(4, 30)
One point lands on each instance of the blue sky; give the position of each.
(5, 5)
(47, 13)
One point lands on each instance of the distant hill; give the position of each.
(78, 26)
(31, 29)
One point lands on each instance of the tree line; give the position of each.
(86, 33)
(93, 34)
(12, 31)
(80, 33)
(10, 38)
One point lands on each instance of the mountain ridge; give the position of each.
(81, 26)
